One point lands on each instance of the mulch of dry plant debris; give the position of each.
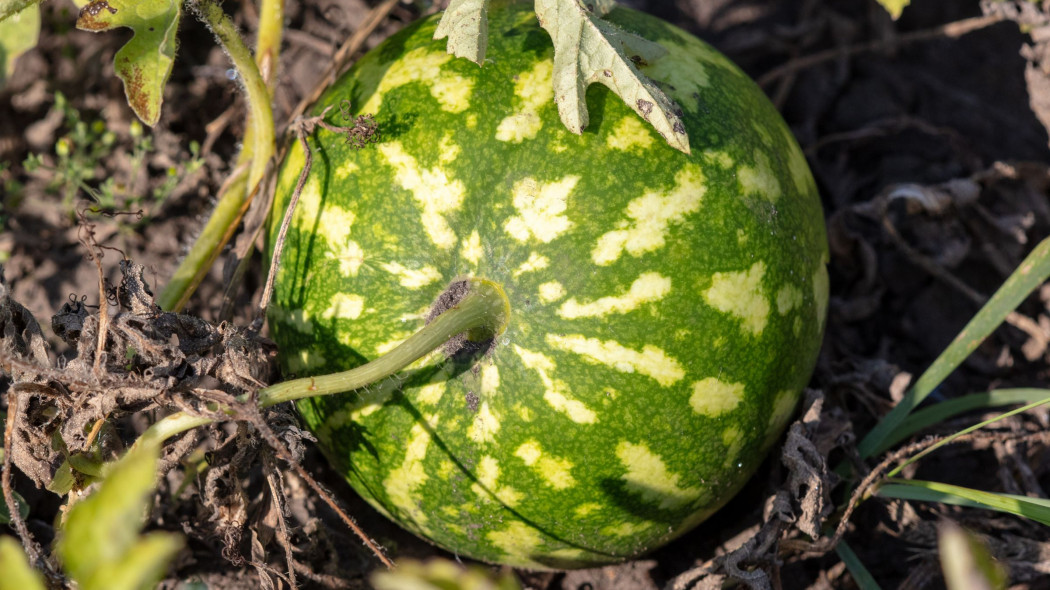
(928, 139)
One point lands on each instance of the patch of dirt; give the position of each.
(927, 137)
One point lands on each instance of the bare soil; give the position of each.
(928, 140)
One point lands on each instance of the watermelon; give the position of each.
(666, 308)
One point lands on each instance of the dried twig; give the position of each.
(950, 30)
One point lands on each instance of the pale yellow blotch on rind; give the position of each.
(487, 487)
(733, 439)
(540, 208)
(797, 165)
(719, 158)
(432, 189)
(402, 484)
(471, 248)
(651, 361)
(533, 90)
(820, 293)
(535, 262)
(345, 170)
(627, 529)
(344, 306)
(584, 510)
(412, 278)
(524, 412)
(551, 291)
(788, 298)
(335, 227)
(556, 391)
(388, 345)
(762, 133)
(299, 320)
(713, 397)
(630, 133)
(740, 294)
(305, 360)
(759, 179)
(489, 380)
(741, 237)
(554, 471)
(307, 208)
(448, 150)
(431, 393)
(647, 288)
(650, 216)
(518, 542)
(648, 477)
(783, 408)
(423, 65)
(485, 426)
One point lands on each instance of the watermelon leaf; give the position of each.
(100, 545)
(18, 575)
(10, 7)
(18, 34)
(465, 23)
(588, 49)
(144, 63)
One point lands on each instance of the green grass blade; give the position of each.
(1029, 275)
(861, 575)
(936, 414)
(965, 431)
(1037, 509)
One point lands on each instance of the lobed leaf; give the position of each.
(588, 49)
(17, 574)
(100, 544)
(18, 33)
(144, 63)
(465, 23)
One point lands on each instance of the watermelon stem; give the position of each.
(481, 315)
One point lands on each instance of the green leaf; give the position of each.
(894, 7)
(18, 34)
(100, 545)
(861, 575)
(5, 512)
(1037, 509)
(965, 560)
(441, 574)
(588, 49)
(10, 7)
(17, 574)
(1029, 275)
(938, 413)
(465, 23)
(144, 564)
(144, 63)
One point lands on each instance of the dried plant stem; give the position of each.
(30, 545)
(259, 148)
(342, 56)
(950, 30)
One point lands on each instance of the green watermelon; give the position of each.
(666, 309)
